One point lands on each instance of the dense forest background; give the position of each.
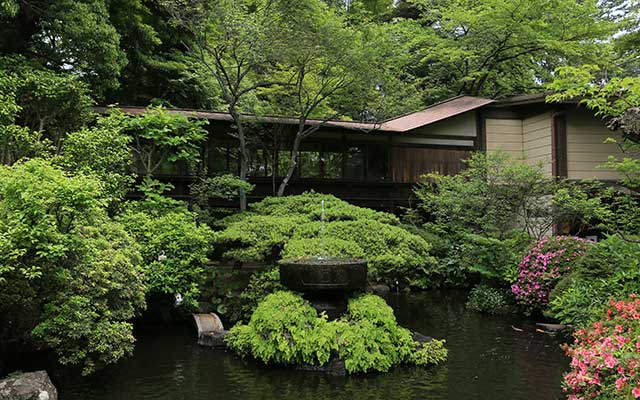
(401, 55)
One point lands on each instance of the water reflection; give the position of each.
(487, 360)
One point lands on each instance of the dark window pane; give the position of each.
(284, 160)
(259, 163)
(377, 163)
(234, 156)
(217, 160)
(354, 165)
(332, 165)
(167, 168)
(309, 164)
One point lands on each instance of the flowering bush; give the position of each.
(546, 263)
(605, 360)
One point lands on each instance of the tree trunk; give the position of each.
(292, 166)
(244, 158)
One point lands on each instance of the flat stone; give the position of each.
(379, 289)
(552, 327)
(420, 338)
(28, 386)
(213, 339)
(334, 367)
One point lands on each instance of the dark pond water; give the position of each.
(488, 359)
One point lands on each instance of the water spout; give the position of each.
(323, 253)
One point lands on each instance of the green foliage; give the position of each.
(292, 223)
(325, 247)
(486, 299)
(393, 254)
(206, 189)
(257, 237)
(491, 197)
(86, 320)
(174, 248)
(104, 152)
(471, 256)
(159, 137)
(308, 205)
(609, 270)
(65, 268)
(260, 285)
(285, 329)
(492, 48)
(72, 36)
(38, 106)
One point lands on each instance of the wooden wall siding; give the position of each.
(408, 164)
(505, 135)
(460, 125)
(586, 148)
(536, 141)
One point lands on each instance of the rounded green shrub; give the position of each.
(608, 270)
(291, 227)
(286, 330)
(327, 247)
(309, 206)
(393, 254)
(486, 299)
(174, 251)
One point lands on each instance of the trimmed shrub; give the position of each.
(292, 224)
(548, 261)
(605, 358)
(286, 330)
(327, 247)
(609, 269)
(486, 299)
(392, 253)
(308, 205)
(257, 238)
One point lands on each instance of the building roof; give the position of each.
(404, 123)
(437, 112)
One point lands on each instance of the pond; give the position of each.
(488, 359)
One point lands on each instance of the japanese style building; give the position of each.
(376, 164)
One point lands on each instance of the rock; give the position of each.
(420, 338)
(379, 289)
(552, 327)
(28, 386)
(213, 339)
(334, 367)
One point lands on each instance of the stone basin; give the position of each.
(325, 282)
(323, 274)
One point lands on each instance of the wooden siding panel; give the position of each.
(505, 135)
(460, 125)
(586, 149)
(410, 163)
(537, 141)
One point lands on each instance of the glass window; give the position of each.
(377, 163)
(309, 164)
(284, 160)
(354, 163)
(167, 168)
(332, 162)
(259, 163)
(233, 165)
(217, 160)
